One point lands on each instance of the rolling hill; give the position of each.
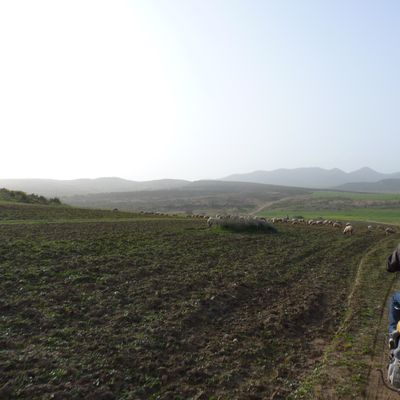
(383, 186)
(195, 197)
(54, 187)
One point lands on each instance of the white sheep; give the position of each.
(213, 221)
(348, 230)
(389, 231)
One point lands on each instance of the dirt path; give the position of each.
(270, 203)
(376, 390)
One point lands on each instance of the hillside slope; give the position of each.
(382, 186)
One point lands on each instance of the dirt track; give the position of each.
(270, 203)
(376, 389)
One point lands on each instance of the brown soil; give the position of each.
(167, 309)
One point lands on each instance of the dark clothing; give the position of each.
(393, 262)
(394, 312)
(393, 265)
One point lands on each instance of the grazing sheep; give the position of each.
(348, 230)
(212, 221)
(389, 231)
(370, 228)
(336, 225)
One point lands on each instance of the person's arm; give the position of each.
(393, 262)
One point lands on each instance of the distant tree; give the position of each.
(55, 200)
(22, 197)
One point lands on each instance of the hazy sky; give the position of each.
(148, 89)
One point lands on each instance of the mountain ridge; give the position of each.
(306, 177)
(312, 177)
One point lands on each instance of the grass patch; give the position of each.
(48, 213)
(356, 196)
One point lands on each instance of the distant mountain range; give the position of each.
(364, 179)
(312, 177)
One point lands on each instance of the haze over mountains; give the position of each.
(62, 188)
(312, 177)
(364, 179)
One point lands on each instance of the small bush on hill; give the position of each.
(249, 228)
(243, 224)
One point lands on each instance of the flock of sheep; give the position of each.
(261, 222)
(347, 230)
(253, 221)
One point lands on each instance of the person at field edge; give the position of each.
(393, 265)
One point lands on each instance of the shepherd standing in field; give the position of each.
(393, 265)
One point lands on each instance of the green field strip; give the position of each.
(356, 195)
(373, 215)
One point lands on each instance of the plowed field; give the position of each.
(168, 309)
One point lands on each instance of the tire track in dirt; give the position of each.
(376, 389)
